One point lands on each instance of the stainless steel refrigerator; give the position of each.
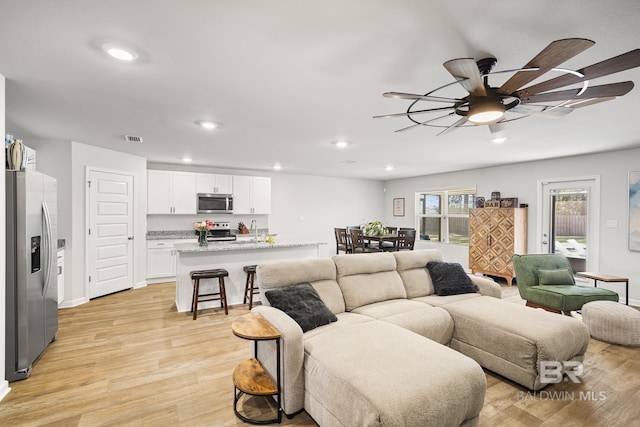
(31, 279)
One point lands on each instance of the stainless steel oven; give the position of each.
(209, 203)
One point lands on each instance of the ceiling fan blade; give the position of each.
(423, 123)
(400, 95)
(465, 70)
(527, 109)
(602, 91)
(587, 102)
(623, 62)
(497, 127)
(387, 116)
(551, 56)
(454, 126)
(554, 112)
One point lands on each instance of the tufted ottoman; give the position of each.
(612, 322)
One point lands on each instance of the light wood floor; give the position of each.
(130, 358)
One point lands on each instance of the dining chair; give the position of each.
(406, 239)
(389, 246)
(343, 241)
(358, 245)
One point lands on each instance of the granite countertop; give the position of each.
(187, 234)
(239, 246)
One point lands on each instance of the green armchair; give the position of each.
(546, 281)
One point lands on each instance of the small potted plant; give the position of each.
(373, 228)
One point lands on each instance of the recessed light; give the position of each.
(119, 52)
(207, 124)
(277, 166)
(499, 139)
(187, 159)
(341, 144)
(389, 168)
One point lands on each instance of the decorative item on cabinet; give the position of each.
(492, 204)
(495, 195)
(509, 202)
(480, 202)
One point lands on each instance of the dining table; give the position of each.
(387, 237)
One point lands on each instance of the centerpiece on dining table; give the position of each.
(373, 228)
(202, 228)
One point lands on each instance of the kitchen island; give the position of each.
(232, 256)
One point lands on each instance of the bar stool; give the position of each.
(220, 274)
(249, 289)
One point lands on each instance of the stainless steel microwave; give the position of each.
(215, 203)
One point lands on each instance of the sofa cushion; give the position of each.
(321, 273)
(384, 375)
(449, 278)
(438, 301)
(560, 276)
(568, 298)
(368, 278)
(303, 304)
(411, 266)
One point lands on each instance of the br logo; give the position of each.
(551, 371)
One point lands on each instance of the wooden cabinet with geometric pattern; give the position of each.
(495, 235)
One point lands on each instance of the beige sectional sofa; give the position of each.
(398, 354)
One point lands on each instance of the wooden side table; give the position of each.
(250, 377)
(603, 277)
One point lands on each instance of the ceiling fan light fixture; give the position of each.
(484, 113)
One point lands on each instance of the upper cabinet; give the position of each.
(171, 192)
(251, 195)
(212, 183)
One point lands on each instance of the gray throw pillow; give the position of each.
(303, 304)
(449, 278)
(561, 276)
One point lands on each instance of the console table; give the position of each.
(250, 377)
(606, 278)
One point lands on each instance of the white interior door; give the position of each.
(110, 242)
(569, 220)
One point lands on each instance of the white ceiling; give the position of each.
(286, 78)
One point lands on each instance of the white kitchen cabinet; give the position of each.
(171, 192)
(213, 183)
(251, 195)
(161, 259)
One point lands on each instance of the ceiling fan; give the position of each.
(495, 106)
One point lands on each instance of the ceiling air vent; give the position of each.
(133, 138)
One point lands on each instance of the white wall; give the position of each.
(67, 162)
(303, 207)
(4, 385)
(521, 180)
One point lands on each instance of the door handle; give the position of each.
(130, 238)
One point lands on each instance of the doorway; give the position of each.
(569, 220)
(110, 234)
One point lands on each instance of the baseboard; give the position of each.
(4, 388)
(140, 284)
(73, 303)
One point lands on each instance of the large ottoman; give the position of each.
(612, 322)
(378, 374)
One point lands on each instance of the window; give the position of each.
(443, 216)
